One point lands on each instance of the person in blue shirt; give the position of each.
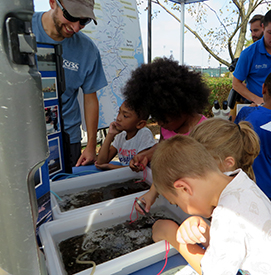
(256, 27)
(260, 118)
(82, 67)
(254, 64)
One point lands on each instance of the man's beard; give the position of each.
(256, 38)
(58, 26)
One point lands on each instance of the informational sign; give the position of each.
(49, 63)
(51, 88)
(118, 39)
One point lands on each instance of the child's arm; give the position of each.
(194, 230)
(142, 159)
(167, 230)
(107, 151)
(108, 166)
(148, 199)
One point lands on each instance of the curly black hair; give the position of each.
(166, 89)
(141, 111)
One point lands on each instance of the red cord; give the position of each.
(167, 245)
(144, 173)
(131, 221)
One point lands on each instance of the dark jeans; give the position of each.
(75, 153)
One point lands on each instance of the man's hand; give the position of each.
(91, 111)
(87, 157)
(239, 87)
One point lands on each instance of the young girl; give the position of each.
(232, 146)
(174, 95)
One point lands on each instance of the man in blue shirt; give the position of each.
(256, 27)
(82, 66)
(254, 65)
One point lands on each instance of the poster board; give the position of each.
(118, 39)
(49, 63)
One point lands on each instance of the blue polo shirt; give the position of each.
(254, 64)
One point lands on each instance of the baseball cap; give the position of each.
(80, 8)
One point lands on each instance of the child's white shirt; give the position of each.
(240, 232)
(127, 149)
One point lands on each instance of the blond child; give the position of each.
(187, 175)
(127, 136)
(233, 146)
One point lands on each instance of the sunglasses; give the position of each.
(82, 21)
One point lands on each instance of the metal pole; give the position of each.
(183, 2)
(23, 143)
(182, 34)
(149, 31)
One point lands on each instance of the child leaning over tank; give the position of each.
(174, 96)
(187, 175)
(232, 146)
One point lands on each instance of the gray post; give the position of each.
(23, 144)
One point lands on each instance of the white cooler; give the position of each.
(54, 232)
(92, 181)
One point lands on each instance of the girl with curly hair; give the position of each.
(174, 96)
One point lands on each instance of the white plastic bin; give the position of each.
(83, 183)
(54, 232)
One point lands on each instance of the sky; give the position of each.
(166, 33)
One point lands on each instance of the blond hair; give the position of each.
(223, 138)
(179, 157)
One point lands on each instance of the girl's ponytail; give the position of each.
(251, 147)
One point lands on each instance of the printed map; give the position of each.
(118, 38)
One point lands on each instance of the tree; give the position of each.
(230, 30)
